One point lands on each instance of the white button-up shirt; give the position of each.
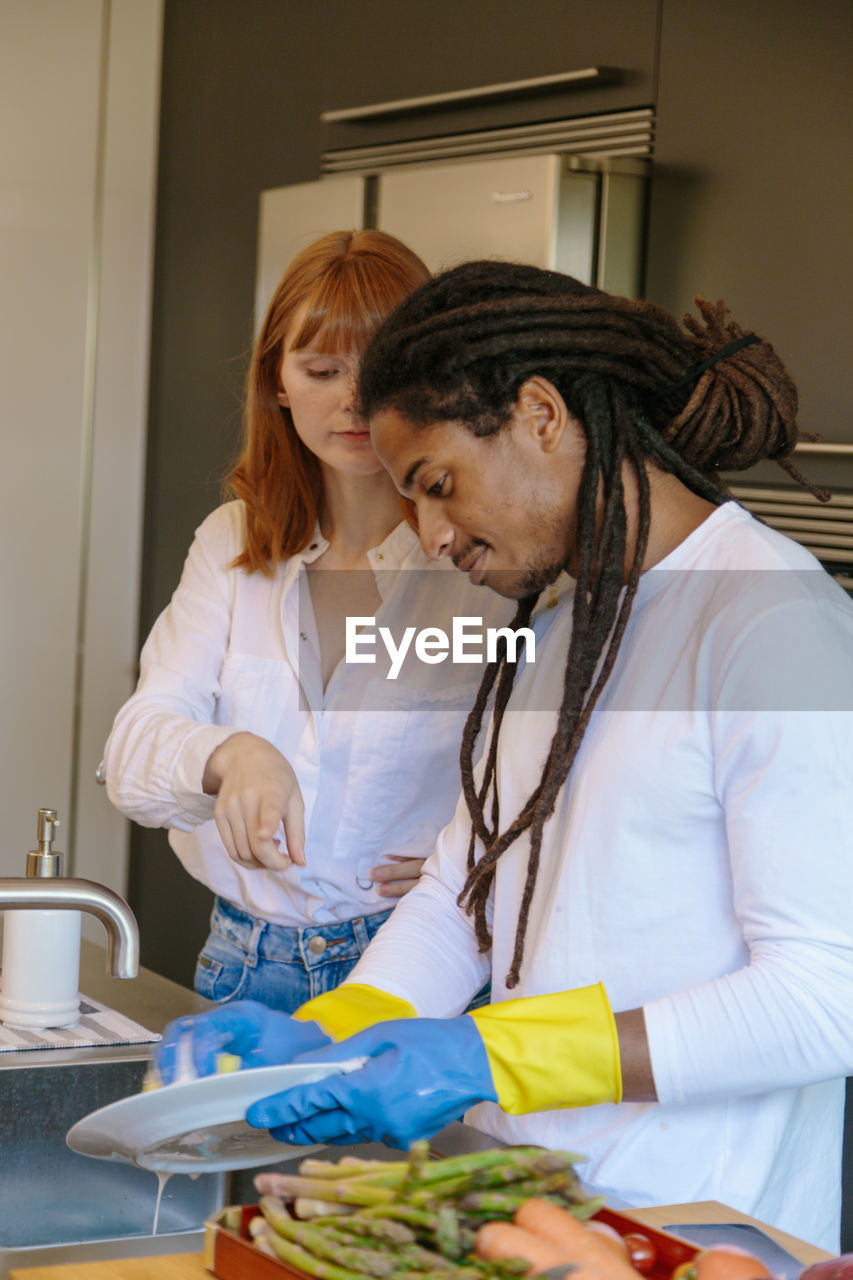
(377, 760)
(699, 863)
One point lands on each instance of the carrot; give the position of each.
(503, 1240)
(610, 1236)
(589, 1256)
(587, 1249)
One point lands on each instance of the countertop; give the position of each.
(148, 999)
(190, 1266)
(153, 1001)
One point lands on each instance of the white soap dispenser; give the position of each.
(41, 950)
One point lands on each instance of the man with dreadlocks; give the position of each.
(653, 857)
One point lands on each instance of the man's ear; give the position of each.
(281, 397)
(543, 411)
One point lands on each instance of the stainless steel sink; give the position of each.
(57, 1206)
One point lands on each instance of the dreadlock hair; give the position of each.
(459, 350)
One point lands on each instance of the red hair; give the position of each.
(345, 284)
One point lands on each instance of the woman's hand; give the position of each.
(256, 789)
(397, 876)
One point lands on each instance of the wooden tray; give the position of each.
(230, 1254)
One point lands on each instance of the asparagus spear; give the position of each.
(328, 1244)
(586, 1209)
(305, 1261)
(517, 1166)
(306, 1207)
(312, 1168)
(444, 1190)
(504, 1266)
(397, 1241)
(525, 1169)
(357, 1191)
(448, 1234)
(503, 1204)
(376, 1228)
(471, 1162)
(419, 1219)
(409, 1254)
(260, 1231)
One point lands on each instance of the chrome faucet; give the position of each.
(45, 888)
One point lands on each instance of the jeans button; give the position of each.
(317, 944)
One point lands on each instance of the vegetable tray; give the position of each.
(670, 1250)
(230, 1254)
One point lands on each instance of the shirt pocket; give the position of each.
(262, 696)
(404, 777)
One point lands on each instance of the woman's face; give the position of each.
(319, 389)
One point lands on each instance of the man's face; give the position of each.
(502, 506)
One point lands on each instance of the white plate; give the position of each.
(198, 1126)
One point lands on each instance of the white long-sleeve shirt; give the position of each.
(377, 760)
(699, 862)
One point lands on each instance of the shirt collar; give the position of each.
(396, 549)
(391, 553)
(315, 548)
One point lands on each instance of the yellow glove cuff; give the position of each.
(552, 1051)
(352, 1007)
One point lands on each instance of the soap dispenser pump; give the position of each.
(41, 949)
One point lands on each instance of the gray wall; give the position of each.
(753, 189)
(79, 102)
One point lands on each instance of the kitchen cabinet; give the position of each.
(423, 51)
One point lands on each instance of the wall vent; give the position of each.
(613, 135)
(825, 528)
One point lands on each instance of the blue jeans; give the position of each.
(247, 958)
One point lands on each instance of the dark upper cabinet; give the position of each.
(423, 50)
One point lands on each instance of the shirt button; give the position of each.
(313, 546)
(317, 945)
(380, 555)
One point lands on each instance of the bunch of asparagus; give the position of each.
(414, 1219)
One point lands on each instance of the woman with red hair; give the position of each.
(291, 776)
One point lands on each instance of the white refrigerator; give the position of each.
(566, 213)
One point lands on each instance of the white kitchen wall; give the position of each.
(79, 101)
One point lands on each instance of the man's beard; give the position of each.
(534, 578)
(517, 584)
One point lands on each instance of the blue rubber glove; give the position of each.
(259, 1036)
(421, 1074)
